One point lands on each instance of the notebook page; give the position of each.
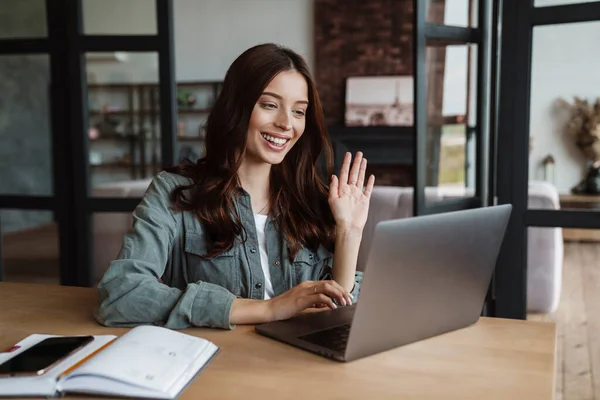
(94, 385)
(190, 374)
(147, 356)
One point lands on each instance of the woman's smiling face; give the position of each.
(278, 118)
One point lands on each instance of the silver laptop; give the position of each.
(424, 276)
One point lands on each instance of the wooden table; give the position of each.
(493, 359)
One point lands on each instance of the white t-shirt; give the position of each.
(261, 222)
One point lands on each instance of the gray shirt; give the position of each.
(161, 278)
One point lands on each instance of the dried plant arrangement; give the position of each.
(583, 124)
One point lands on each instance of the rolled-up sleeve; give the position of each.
(131, 293)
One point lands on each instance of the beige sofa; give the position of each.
(545, 245)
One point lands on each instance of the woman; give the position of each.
(248, 233)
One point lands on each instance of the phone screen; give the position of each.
(42, 355)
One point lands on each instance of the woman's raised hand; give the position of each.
(348, 197)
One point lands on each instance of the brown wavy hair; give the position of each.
(299, 196)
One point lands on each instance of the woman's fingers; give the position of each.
(347, 295)
(354, 172)
(370, 185)
(361, 173)
(333, 188)
(321, 298)
(333, 290)
(345, 170)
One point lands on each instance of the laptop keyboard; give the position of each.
(332, 338)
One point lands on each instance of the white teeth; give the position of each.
(277, 141)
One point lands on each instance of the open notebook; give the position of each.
(146, 362)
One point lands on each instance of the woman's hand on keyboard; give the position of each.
(308, 294)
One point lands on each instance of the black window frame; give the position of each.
(66, 45)
(519, 18)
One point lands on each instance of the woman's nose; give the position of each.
(283, 121)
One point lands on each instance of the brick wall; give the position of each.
(374, 37)
(358, 38)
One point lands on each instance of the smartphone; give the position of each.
(39, 358)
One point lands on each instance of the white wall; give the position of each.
(565, 64)
(113, 17)
(209, 34)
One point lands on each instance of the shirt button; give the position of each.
(276, 262)
(258, 285)
(310, 256)
(253, 250)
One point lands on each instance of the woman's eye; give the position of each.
(269, 106)
(300, 113)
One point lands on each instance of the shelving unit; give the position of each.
(124, 124)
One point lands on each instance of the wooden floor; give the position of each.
(578, 324)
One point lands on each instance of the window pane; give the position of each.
(453, 142)
(195, 100)
(108, 231)
(22, 19)
(25, 132)
(451, 90)
(119, 17)
(564, 156)
(452, 12)
(23, 231)
(124, 119)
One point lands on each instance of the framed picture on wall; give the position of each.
(379, 101)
